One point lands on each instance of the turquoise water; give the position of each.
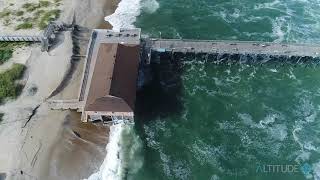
(268, 20)
(203, 120)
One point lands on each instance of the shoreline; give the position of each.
(53, 138)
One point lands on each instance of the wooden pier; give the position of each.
(232, 47)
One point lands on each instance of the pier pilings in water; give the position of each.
(226, 58)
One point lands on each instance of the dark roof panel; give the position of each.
(125, 74)
(109, 104)
(115, 74)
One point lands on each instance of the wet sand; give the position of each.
(110, 7)
(78, 151)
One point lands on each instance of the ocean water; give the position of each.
(198, 119)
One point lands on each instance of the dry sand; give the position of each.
(52, 144)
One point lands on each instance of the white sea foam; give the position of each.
(125, 15)
(128, 11)
(273, 70)
(209, 154)
(269, 5)
(278, 132)
(151, 135)
(309, 146)
(214, 177)
(165, 163)
(270, 119)
(316, 171)
(246, 118)
(150, 6)
(236, 13)
(275, 131)
(303, 156)
(111, 167)
(295, 135)
(217, 81)
(245, 139)
(291, 74)
(123, 156)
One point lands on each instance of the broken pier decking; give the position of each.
(232, 47)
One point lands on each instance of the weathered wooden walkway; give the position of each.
(233, 47)
(45, 39)
(21, 38)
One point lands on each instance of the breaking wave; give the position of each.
(123, 157)
(128, 11)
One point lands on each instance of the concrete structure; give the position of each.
(74, 104)
(108, 86)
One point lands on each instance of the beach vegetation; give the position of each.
(19, 13)
(31, 15)
(1, 117)
(25, 25)
(30, 7)
(57, 2)
(5, 13)
(7, 21)
(5, 55)
(12, 45)
(44, 3)
(38, 13)
(7, 48)
(8, 87)
(47, 17)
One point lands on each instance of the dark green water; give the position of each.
(201, 120)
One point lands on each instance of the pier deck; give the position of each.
(234, 47)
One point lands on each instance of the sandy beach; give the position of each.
(40, 143)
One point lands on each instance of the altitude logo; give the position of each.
(306, 168)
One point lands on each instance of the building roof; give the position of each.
(113, 82)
